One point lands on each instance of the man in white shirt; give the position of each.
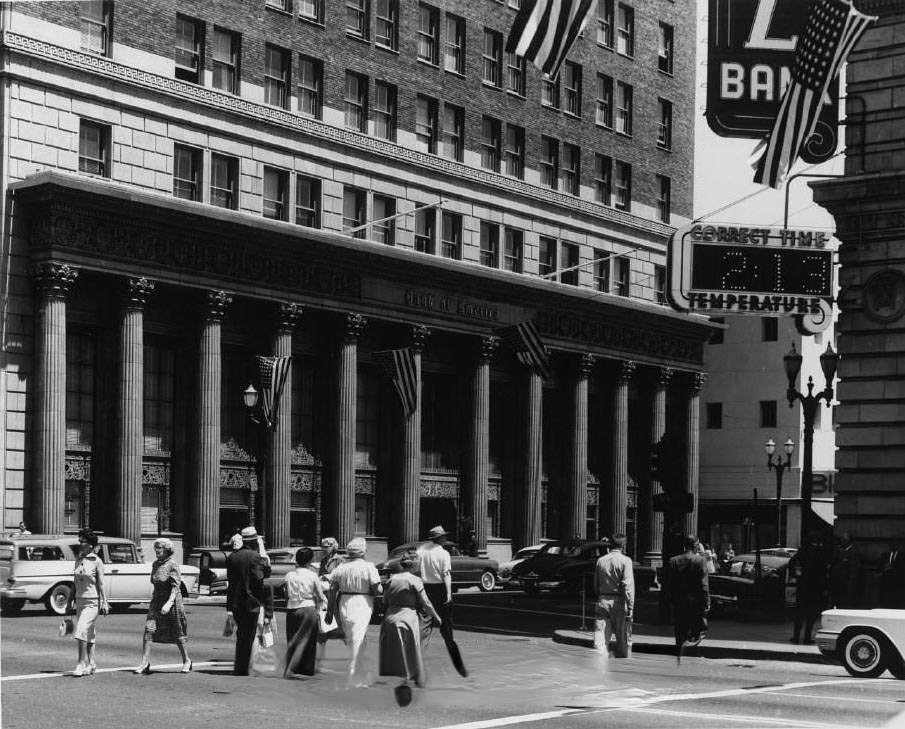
(614, 583)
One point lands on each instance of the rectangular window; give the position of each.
(768, 413)
(187, 166)
(226, 61)
(387, 32)
(276, 76)
(358, 18)
(601, 270)
(94, 22)
(665, 52)
(549, 92)
(546, 257)
(623, 276)
(453, 131)
(568, 262)
(603, 179)
(625, 30)
(605, 23)
(490, 143)
(426, 124)
(512, 254)
(428, 34)
(307, 201)
(490, 245)
(425, 220)
(664, 128)
(570, 169)
(660, 284)
(189, 42)
(604, 113)
(385, 110)
(276, 194)
(663, 198)
(224, 181)
(514, 151)
(515, 74)
(312, 10)
(714, 415)
(492, 59)
(624, 95)
(571, 88)
(355, 210)
(455, 43)
(384, 230)
(451, 236)
(278, 4)
(356, 101)
(769, 329)
(549, 162)
(623, 186)
(311, 87)
(94, 148)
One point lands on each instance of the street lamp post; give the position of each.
(810, 403)
(250, 398)
(779, 466)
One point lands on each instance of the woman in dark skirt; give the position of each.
(166, 613)
(304, 601)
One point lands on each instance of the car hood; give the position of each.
(544, 565)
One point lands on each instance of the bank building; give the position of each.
(187, 186)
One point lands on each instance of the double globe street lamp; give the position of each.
(779, 466)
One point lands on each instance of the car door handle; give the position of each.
(115, 572)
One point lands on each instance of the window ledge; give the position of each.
(572, 115)
(429, 64)
(605, 46)
(460, 74)
(551, 107)
(386, 49)
(664, 147)
(489, 85)
(627, 135)
(312, 21)
(516, 94)
(358, 38)
(279, 11)
(601, 125)
(668, 74)
(630, 56)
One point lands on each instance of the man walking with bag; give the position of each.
(248, 601)
(689, 593)
(614, 584)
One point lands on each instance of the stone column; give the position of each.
(343, 518)
(130, 410)
(279, 459)
(206, 507)
(693, 452)
(529, 529)
(619, 473)
(53, 282)
(578, 454)
(658, 428)
(411, 450)
(476, 469)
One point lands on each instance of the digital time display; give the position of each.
(762, 269)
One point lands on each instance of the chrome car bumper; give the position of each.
(826, 642)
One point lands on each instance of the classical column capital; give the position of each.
(696, 382)
(354, 325)
(488, 348)
(288, 316)
(420, 333)
(216, 303)
(137, 292)
(626, 371)
(54, 280)
(586, 364)
(664, 376)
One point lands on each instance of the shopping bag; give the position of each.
(229, 627)
(265, 637)
(264, 659)
(327, 624)
(67, 627)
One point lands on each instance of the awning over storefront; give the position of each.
(825, 510)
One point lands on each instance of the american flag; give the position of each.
(399, 366)
(833, 28)
(272, 373)
(523, 339)
(544, 31)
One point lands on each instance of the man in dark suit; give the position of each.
(892, 577)
(246, 596)
(810, 569)
(689, 594)
(845, 574)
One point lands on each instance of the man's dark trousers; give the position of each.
(246, 634)
(436, 593)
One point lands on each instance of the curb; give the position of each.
(714, 649)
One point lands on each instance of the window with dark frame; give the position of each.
(355, 211)
(769, 329)
(278, 4)
(570, 169)
(568, 260)
(426, 131)
(307, 201)
(187, 169)
(549, 162)
(571, 88)
(625, 30)
(622, 197)
(514, 151)
(453, 132)
(224, 181)
(428, 34)
(425, 229)
(276, 76)
(665, 53)
(94, 148)
(490, 245)
(768, 413)
(451, 235)
(660, 284)
(492, 58)
(356, 101)
(714, 415)
(602, 270)
(384, 230)
(310, 86)
(95, 22)
(623, 276)
(515, 74)
(276, 194)
(455, 44)
(549, 92)
(312, 10)
(385, 110)
(490, 143)
(512, 251)
(358, 18)
(664, 195)
(603, 179)
(605, 23)
(624, 94)
(664, 128)
(225, 60)
(189, 45)
(604, 109)
(546, 257)
(387, 21)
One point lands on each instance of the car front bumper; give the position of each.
(826, 642)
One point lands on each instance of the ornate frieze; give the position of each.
(366, 483)
(53, 280)
(232, 451)
(155, 474)
(306, 480)
(78, 467)
(301, 456)
(238, 477)
(137, 292)
(439, 488)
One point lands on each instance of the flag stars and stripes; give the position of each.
(272, 372)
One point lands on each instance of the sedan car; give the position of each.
(559, 564)
(212, 564)
(466, 571)
(742, 587)
(38, 568)
(867, 642)
(505, 573)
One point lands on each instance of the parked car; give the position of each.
(38, 568)
(466, 571)
(212, 565)
(505, 573)
(867, 642)
(741, 587)
(282, 561)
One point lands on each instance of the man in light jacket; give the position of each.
(614, 583)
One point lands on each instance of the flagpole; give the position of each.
(363, 226)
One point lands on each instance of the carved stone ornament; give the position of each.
(489, 346)
(238, 477)
(586, 364)
(493, 491)
(301, 456)
(137, 292)
(698, 380)
(78, 468)
(155, 474)
(593, 495)
(217, 301)
(231, 451)
(355, 324)
(305, 480)
(439, 489)
(664, 376)
(366, 483)
(420, 333)
(884, 296)
(54, 280)
(288, 316)
(627, 371)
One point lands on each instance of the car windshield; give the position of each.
(522, 553)
(743, 568)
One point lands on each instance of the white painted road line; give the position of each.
(174, 667)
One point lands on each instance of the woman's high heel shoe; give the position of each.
(80, 670)
(144, 668)
(186, 667)
(92, 668)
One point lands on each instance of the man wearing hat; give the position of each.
(435, 568)
(246, 596)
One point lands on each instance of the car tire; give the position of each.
(488, 581)
(11, 607)
(58, 598)
(864, 653)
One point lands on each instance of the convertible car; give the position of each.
(867, 642)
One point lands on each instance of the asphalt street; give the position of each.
(517, 678)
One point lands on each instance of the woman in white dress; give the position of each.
(88, 598)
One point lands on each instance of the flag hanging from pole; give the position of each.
(544, 31)
(272, 372)
(523, 339)
(833, 28)
(399, 366)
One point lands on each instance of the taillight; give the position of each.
(11, 581)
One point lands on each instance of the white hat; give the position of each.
(249, 532)
(437, 531)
